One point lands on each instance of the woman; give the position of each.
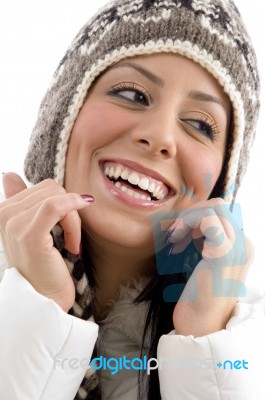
(151, 113)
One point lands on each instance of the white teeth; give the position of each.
(144, 183)
(125, 174)
(143, 197)
(111, 172)
(134, 178)
(117, 172)
(157, 190)
(106, 171)
(131, 192)
(152, 187)
(159, 195)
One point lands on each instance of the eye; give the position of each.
(134, 96)
(131, 92)
(206, 128)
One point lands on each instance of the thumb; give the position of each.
(12, 184)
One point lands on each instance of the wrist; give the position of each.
(192, 322)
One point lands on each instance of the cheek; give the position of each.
(202, 171)
(97, 125)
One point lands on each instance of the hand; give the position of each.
(210, 295)
(26, 220)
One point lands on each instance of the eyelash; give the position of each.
(133, 87)
(209, 126)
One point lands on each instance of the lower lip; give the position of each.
(130, 200)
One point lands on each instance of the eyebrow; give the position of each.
(201, 96)
(148, 74)
(193, 94)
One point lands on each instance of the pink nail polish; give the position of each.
(87, 198)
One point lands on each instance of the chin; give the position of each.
(122, 236)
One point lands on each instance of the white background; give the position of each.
(34, 35)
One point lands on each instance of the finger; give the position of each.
(191, 219)
(181, 244)
(25, 193)
(59, 209)
(180, 227)
(250, 250)
(71, 226)
(12, 207)
(217, 244)
(209, 223)
(13, 184)
(32, 198)
(187, 221)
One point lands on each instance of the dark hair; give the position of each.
(163, 292)
(176, 270)
(159, 317)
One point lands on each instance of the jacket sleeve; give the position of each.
(44, 352)
(225, 365)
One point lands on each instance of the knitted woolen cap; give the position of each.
(209, 32)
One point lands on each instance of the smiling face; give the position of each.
(150, 132)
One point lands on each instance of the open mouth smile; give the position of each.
(135, 184)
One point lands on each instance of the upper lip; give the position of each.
(142, 170)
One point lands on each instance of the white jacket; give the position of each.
(36, 337)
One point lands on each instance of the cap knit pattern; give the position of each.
(209, 32)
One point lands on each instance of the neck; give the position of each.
(116, 265)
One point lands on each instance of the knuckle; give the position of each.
(47, 182)
(50, 183)
(217, 201)
(26, 239)
(72, 197)
(4, 216)
(60, 189)
(50, 206)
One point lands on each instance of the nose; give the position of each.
(156, 134)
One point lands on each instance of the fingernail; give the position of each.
(170, 251)
(87, 198)
(168, 236)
